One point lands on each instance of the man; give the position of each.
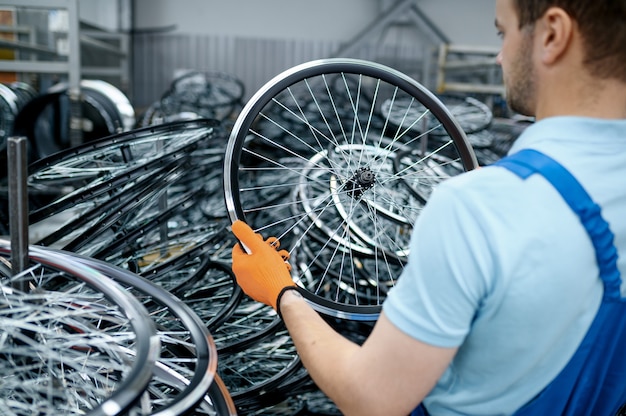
(502, 283)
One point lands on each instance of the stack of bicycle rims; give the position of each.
(85, 337)
(43, 120)
(214, 95)
(100, 190)
(73, 340)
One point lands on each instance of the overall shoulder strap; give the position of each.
(592, 383)
(529, 161)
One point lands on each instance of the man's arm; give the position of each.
(389, 374)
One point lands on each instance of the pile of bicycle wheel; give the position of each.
(129, 305)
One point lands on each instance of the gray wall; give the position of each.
(113, 15)
(464, 21)
(254, 40)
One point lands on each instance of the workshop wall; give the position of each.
(466, 21)
(255, 40)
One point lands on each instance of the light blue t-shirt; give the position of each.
(503, 269)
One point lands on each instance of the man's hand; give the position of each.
(263, 273)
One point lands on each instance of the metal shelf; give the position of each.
(71, 66)
(45, 59)
(467, 60)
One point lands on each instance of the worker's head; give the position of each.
(558, 35)
(601, 24)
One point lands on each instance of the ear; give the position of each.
(555, 37)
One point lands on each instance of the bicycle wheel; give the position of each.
(217, 401)
(9, 107)
(104, 183)
(214, 95)
(472, 115)
(314, 155)
(205, 285)
(74, 342)
(260, 368)
(245, 326)
(187, 351)
(73, 181)
(215, 295)
(82, 219)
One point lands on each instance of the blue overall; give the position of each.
(594, 380)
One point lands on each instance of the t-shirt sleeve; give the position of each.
(447, 274)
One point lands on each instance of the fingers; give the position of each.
(238, 251)
(285, 256)
(273, 241)
(254, 241)
(247, 236)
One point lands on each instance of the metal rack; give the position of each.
(48, 60)
(479, 61)
(71, 67)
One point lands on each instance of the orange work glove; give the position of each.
(264, 273)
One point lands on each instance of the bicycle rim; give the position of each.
(312, 157)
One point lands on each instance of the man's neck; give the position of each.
(577, 96)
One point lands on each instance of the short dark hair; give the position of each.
(602, 24)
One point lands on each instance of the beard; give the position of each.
(520, 82)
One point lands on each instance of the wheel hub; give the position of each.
(362, 180)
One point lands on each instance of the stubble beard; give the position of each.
(520, 83)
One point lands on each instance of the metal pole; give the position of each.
(74, 78)
(18, 206)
